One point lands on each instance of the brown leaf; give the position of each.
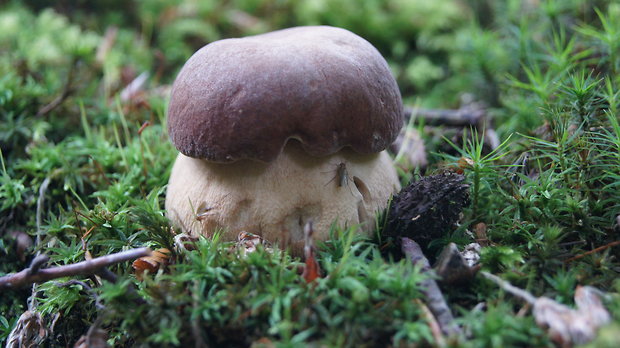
(159, 259)
(106, 45)
(480, 230)
(464, 163)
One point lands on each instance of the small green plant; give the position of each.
(482, 169)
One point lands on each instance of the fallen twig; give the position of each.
(30, 275)
(432, 323)
(520, 293)
(465, 116)
(601, 248)
(432, 294)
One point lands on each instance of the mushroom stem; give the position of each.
(275, 200)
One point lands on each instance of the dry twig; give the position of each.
(520, 293)
(601, 248)
(432, 294)
(33, 275)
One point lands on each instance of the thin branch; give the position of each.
(529, 298)
(27, 276)
(432, 294)
(601, 248)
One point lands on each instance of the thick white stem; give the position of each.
(276, 199)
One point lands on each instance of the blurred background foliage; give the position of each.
(83, 92)
(426, 42)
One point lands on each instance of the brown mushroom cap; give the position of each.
(244, 98)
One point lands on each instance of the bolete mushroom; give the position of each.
(281, 128)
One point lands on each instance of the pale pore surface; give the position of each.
(276, 199)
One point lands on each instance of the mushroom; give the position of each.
(279, 129)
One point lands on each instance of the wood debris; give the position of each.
(29, 331)
(36, 274)
(453, 267)
(432, 294)
(567, 327)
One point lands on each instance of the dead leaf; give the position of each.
(30, 331)
(464, 163)
(480, 230)
(158, 259)
(312, 270)
(248, 242)
(106, 44)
